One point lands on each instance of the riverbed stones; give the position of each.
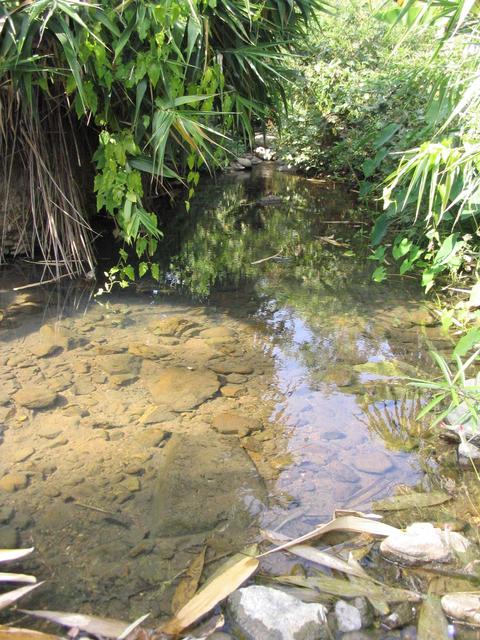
(462, 606)
(179, 388)
(13, 482)
(230, 423)
(421, 543)
(205, 479)
(263, 613)
(51, 340)
(35, 397)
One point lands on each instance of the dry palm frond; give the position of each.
(41, 204)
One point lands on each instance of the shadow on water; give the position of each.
(298, 407)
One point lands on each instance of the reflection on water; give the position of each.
(139, 430)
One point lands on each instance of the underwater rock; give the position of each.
(263, 613)
(234, 423)
(374, 462)
(462, 606)
(120, 364)
(172, 326)
(35, 398)
(51, 340)
(226, 367)
(179, 388)
(386, 368)
(203, 480)
(340, 376)
(421, 543)
(348, 617)
(13, 482)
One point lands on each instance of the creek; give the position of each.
(261, 384)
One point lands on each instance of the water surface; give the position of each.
(257, 386)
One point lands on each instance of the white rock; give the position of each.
(421, 542)
(462, 606)
(348, 617)
(245, 162)
(262, 613)
(461, 424)
(468, 451)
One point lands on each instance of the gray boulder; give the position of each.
(348, 617)
(262, 613)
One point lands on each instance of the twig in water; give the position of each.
(38, 284)
(277, 255)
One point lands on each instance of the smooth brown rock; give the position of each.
(180, 389)
(119, 364)
(13, 482)
(235, 423)
(171, 326)
(204, 480)
(35, 398)
(226, 367)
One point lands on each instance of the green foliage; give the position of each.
(361, 93)
(161, 83)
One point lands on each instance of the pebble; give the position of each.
(372, 462)
(23, 454)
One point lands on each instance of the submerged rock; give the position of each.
(13, 482)
(374, 462)
(179, 388)
(172, 326)
(203, 480)
(119, 364)
(35, 398)
(235, 423)
(462, 606)
(421, 542)
(348, 617)
(262, 613)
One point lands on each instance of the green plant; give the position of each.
(159, 84)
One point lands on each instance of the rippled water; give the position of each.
(244, 393)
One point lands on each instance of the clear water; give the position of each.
(124, 477)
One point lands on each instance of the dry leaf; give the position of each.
(318, 556)
(91, 624)
(411, 501)
(345, 523)
(17, 577)
(353, 588)
(211, 594)
(188, 585)
(15, 633)
(132, 627)
(14, 554)
(206, 629)
(6, 599)
(338, 513)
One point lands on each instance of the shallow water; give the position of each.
(243, 394)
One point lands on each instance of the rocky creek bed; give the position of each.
(142, 432)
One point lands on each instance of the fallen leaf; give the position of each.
(211, 594)
(6, 599)
(17, 577)
(354, 588)
(206, 629)
(319, 557)
(411, 501)
(133, 626)
(15, 633)
(188, 585)
(344, 523)
(14, 554)
(432, 622)
(91, 624)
